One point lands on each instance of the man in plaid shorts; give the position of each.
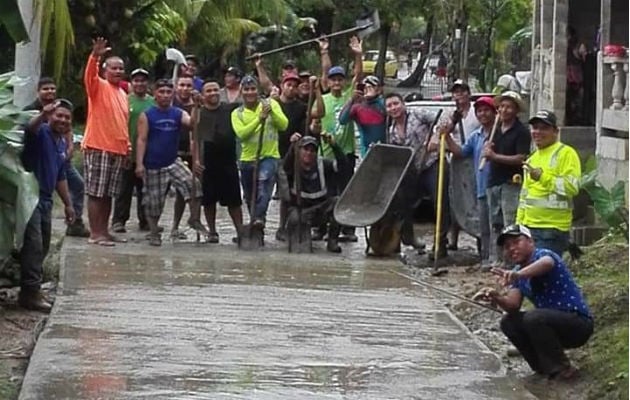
(106, 142)
(157, 163)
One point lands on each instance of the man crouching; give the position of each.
(560, 320)
(157, 162)
(316, 184)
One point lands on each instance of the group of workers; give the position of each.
(211, 143)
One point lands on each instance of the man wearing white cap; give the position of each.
(506, 153)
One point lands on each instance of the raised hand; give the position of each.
(99, 47)
(356, 45)
(323, 44)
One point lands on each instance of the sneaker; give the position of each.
(176, 234)
(118, 227)
(333, 247)
(155, 240)
(212, 237)
(259, 223)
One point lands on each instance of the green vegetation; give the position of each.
(603, 274)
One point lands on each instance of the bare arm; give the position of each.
(357, 49)
(141, 143)
(319, 110)
(325, 61)
(265, 82)
(64, 194)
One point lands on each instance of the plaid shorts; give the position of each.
(103, 172)
(158, 181)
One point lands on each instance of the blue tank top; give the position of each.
(163, 140)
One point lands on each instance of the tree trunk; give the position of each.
(27, 57)
(417, 75)
(383, 34)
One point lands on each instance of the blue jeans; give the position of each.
(550, 239)
(35, 247)
(267, 169)
(76, 188)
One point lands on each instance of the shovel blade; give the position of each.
(300, 239)
(371, 22)
(175, 55)
(251, 237)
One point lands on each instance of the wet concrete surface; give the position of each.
(203, 321)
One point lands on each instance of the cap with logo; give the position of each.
(249, 80)
(234, 71)
(336, 70)
(546, 117)
(139, 71)
(459, 83)
(308, 140)
(304, 74)
(513, 230)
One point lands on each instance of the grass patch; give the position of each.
(603, 275)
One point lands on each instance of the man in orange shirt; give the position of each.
(106, 143)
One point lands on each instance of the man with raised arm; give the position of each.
(106, 144)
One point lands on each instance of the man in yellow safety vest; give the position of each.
(551, 182)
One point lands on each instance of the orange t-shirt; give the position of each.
(108, 113)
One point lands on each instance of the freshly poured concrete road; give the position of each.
(188, 321)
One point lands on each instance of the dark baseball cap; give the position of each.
(249, 80)
(513, 230)
(546, 117)
(459, 83)
(308, 140)
(163, 82)
(65, 103)
(139, 71)
(234, 71)
(336, 70)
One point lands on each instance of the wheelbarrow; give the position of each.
(367, 199)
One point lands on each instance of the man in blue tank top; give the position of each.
(157, 161)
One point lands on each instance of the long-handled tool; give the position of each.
(495, 126)
(365, 25)
(178, 58)
(251, 236)
(302, 243)
(194, 116)
(440, 199)
(437, 289)
(424, 148)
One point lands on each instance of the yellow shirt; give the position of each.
(247, 126)
(547, 203)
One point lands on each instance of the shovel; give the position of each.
(178, 58)
(299, 236)
(364, 26)
(251, 237)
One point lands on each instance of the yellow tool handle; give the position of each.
(440, 189)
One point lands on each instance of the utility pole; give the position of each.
(27, 56)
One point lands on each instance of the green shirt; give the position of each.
(247, 126)
(137, 105)
(343, 134)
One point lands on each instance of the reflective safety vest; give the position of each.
(318, 194)
(548, 202)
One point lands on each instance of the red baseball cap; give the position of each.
(486, 101)
(291, 76)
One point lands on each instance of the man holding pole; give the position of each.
(247, 121)
(505, 150)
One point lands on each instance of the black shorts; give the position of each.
(221, 183)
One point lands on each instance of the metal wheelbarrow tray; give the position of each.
(372, 188)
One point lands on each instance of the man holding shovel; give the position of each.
(253, 119)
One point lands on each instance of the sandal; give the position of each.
(102, 242)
